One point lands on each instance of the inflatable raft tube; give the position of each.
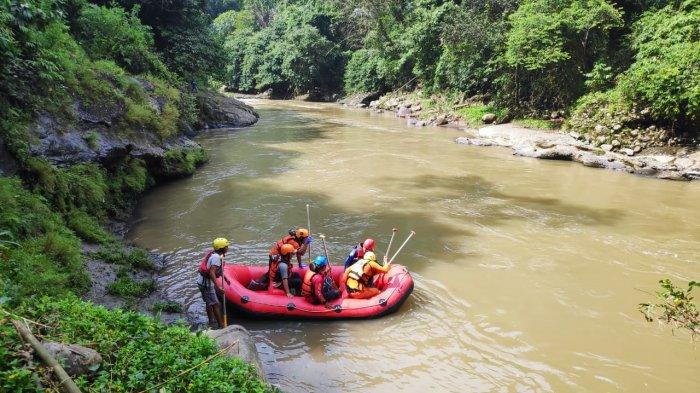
(396, 285)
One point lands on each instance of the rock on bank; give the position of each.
(558, 146)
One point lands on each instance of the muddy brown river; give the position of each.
(528, 272)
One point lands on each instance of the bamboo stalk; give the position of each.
(64, 379)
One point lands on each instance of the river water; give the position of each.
(528, 272)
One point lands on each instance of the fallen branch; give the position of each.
(207, 360)
(9, 314)
(64, 379)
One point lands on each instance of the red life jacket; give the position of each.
(203, 265)
(359, 251)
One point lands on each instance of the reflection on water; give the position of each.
(525, 270)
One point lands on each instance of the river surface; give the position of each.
(528, 272)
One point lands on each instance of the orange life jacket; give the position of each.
(276, 248)
(307, 286)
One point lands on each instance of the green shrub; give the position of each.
(138, 352)
(115, 34)
(14, 376)
(92, 139)
(472, 114)
(167, 306)
(549, 49)
(87, 227)
(364, 72)
(127, 287)
(137, 258)
(666, 72)
(181, 162)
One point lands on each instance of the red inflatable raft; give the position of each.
(396, 285)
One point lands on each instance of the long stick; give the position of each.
(64, 379)
(393, 233)
(308, 221)
(325, 249)
(400, 248)
(223, 287)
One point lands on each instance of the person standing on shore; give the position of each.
(209, 271)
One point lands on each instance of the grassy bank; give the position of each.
(95, 98)
(138, 352)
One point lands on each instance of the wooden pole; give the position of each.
(400, 248)
(325, 249)
(223, 288)
(64, 379)
(308, 221)
(393, 233)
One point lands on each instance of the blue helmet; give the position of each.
(320, 261)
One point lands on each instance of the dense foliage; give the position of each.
(138, 352)
(137, 62)
(608, 61)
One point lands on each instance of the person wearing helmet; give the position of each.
(318, 286)
(279, 273)
(359, 251)
(358, 277)
(209, 271)
(302, 238)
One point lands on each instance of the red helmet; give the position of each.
(368, 245)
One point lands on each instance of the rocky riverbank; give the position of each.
(645, 155)
(568, 147)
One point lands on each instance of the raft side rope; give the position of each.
(400, 277)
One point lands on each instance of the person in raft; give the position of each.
(358, 252)
(318, 286)
(209, 271)
(303, 241)
(279, 273)
(358, 277)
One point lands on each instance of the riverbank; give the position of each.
(67, 194)
(653, 154)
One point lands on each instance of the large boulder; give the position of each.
(488, 118)
(75, 359)
(218, 111)
(404, 112)
(243, 345)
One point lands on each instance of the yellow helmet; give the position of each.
(302, 233)
(220, 243)
(370, 256)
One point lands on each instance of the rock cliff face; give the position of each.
(95, 133)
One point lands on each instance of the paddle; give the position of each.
(400, 248)
(325, 249)
(308, 221)
(223, 286)
(393, 233)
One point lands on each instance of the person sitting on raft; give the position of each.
(318, 286)
(358, 277)
(358, 252)
(279, 273)
(209, 271)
